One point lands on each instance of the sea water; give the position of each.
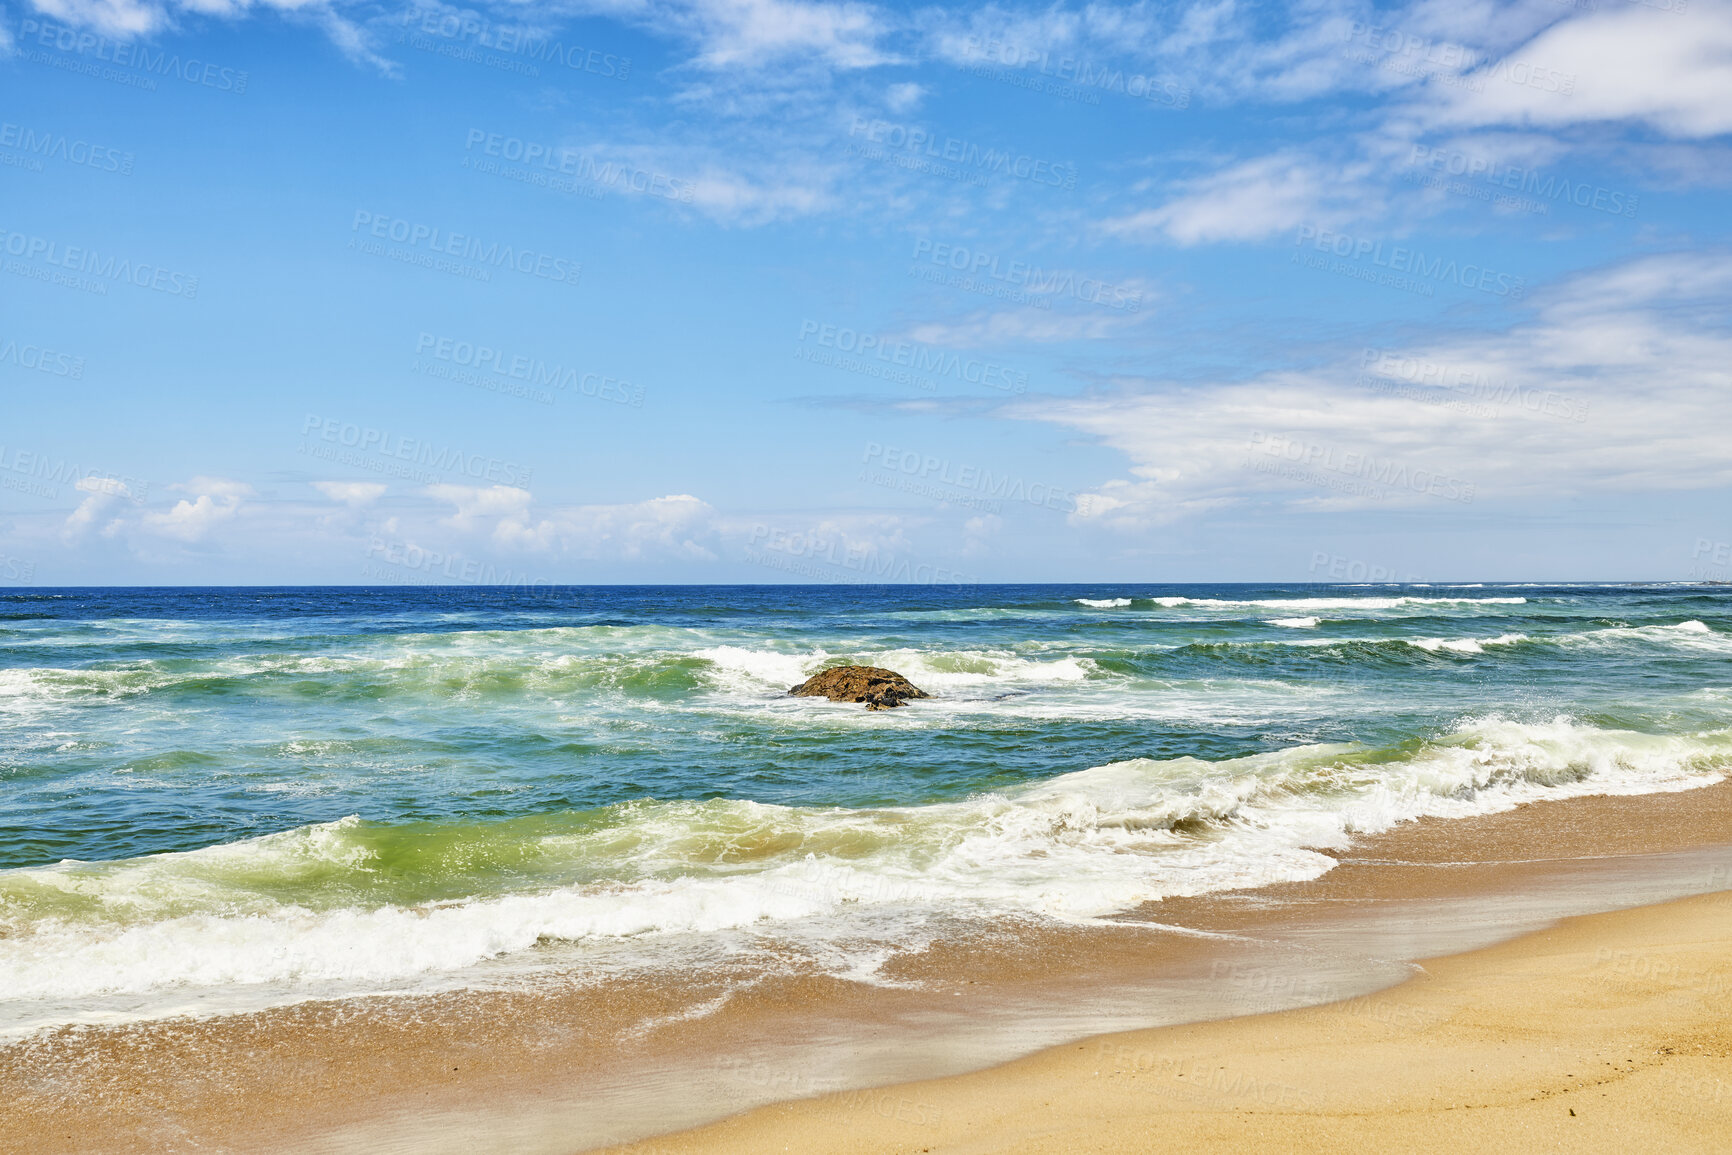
(214, 799)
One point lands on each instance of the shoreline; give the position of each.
(1605, 1032)
(563, 1070)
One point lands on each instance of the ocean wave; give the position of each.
(1465, 645)
(1365, 603)
(1384, 649)
(465, 667)
(351, 906)
(661, 668)
(743, 667)
(1690, 635)
(1103, 603)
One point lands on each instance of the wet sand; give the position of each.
(1605, 1033)
(563, 1068)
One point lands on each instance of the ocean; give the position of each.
(226, 799)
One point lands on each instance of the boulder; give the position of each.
(879, 689)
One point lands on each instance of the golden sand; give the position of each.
(1609, 1032)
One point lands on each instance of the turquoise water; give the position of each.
(289, 793)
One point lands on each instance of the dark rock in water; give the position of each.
(879, 689)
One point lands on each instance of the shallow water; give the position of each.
(216, 798)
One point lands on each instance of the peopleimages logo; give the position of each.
(433, 239)
(974, 263)
(533, 372)
(920, 143)
(1356, 570)
(364, 439)
(408, 560)
(1719, 551)
(89, 262)
(915, 356)
(1383, 471)
(578, 166)
(1411, 262)
(42, 360)
(1387, 367)
(58, 146)
(517, 41)
(42, 474)
(812, 555)
(926, 469)
(129, 54)
(1533, 182)
(1081, 75)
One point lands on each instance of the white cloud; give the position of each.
(124, 18)
(991, 34)
(750, 181)
(678, 526)
(108, 486)
(901, 98)
(980, 535)
(119, 18)
(1568, 403)
(219, 487)
(1629, 62)
(1252, 200)
(855, 545)
(191, 520)
(217, 500)
(354, 493)
(739, 198)
(104, 494)
(756, 33)
(1219, 49)
(474, 504)
(500, 525)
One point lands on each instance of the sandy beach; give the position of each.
(1620, 1015)
(811, 576)
(1604, 1033)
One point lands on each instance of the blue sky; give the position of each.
(764, 291)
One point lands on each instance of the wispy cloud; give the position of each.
(1253, 200)
(1567, 403)
(988, 329)
(756, 33)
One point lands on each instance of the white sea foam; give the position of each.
(1103, 603)
(1466, 645)
(157, 930)
(1366, 603)
(955, 670)
(1691, 635)
(741, 667)
(757, 671)
(1295, 623)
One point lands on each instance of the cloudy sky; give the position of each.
(312, 291)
